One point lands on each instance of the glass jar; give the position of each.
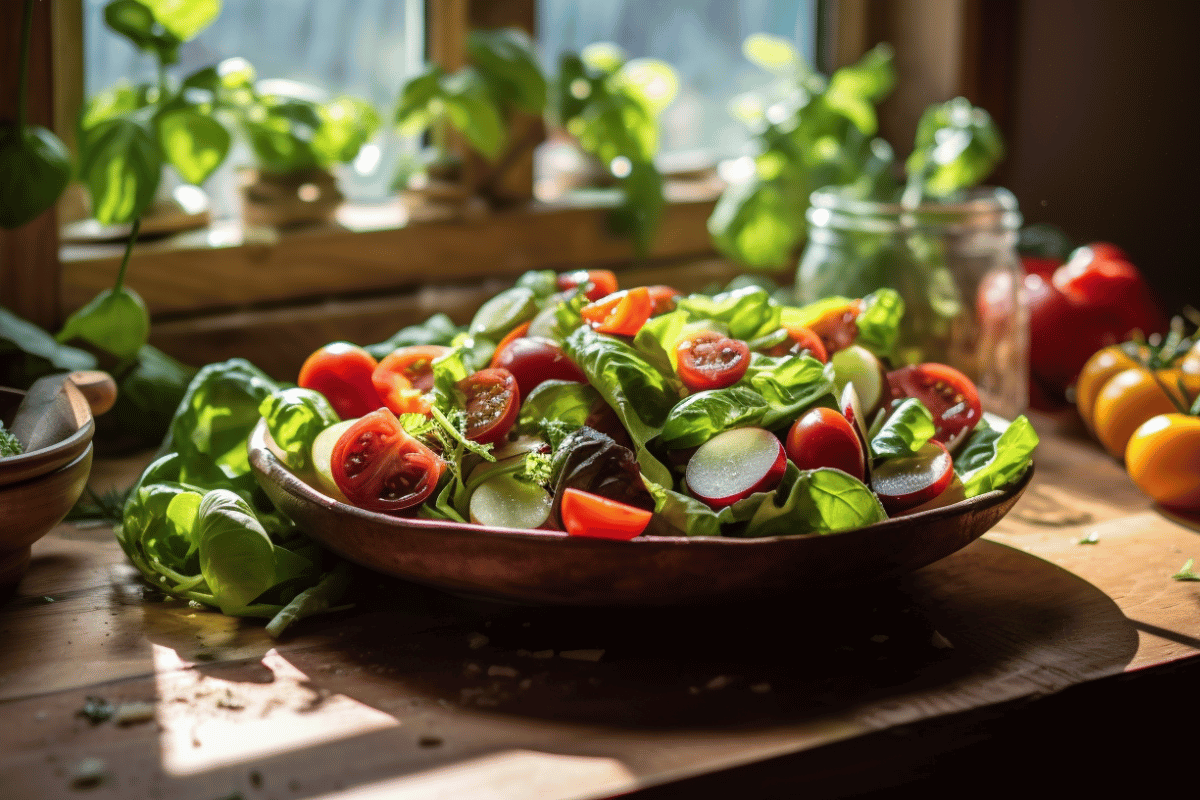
(956, 267)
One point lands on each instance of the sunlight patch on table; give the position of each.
(210, 722)
(527, 774)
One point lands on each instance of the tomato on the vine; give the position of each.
(1163, 459)
(801, 338)
(599, 282)
(948, 394)
(533, 359)
(379, 466)
(1103, 365)
(404, 378)
(822, 437)
(622, 313)
(710, 360)
(342, 372)
(1133, 396)
(587, 514)
(492, 402)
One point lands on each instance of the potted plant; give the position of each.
(296, 141)
(482, 120)
(129, 134)
(609, 106)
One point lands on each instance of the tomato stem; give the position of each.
(1181, 407)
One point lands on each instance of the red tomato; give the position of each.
(1063, 335)
(586, 514)
(837, 328)
(662, 299)
(948, 394)
(824, 438)
(515, 333)
(492, 403)
(403, 378)
(380, 467)
(1101, 275)
(621, 313)
(342, 372)
(533, 359)
(708, 360)
(600, 282)
(801, 339)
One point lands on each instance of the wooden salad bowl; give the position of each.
(39, 487)
(551, 568)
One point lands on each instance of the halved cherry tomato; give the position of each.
(622, 313)
(1163, 458)
(801, 339)
(342, 372)
(492, 402)
(599, 282)
(533, 359)
(587, 514)
(515, 333)
(948, 394)
(404, 378)
(836, 328)
(823, 437)
(662, 299)
(380, 467)
(709, 360)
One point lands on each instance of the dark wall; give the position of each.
(1104, 130)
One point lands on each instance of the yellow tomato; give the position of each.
(1131, 397)
(1163, 458)
(1102, 366)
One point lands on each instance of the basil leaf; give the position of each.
(879, 322)
(1000, 461)
(121, 164)
(237, 558)
(749, 312)
(472, 110)
(193, 142)
(905, 431)
(347, 123)
(135, 21)
(567, 402)
(183, 19)
(27, 352)
(790, 385)
(35, 167)
(816, 501)
(115, 321)
(701, 416)
(506, 59)
(294, 418)
(957, 146)
(438, 329)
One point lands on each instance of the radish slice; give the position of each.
(506, 502)
(735, 464)
(909, 481)
(852, 411)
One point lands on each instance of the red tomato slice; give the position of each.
(599, 282)
(620, 313)
(404, 377)
(662, 299)
(342, 372)
(948, 394)
(708, 360)
(533, 359)
(836, 328)
(380, 467)
(586, 514)
(801, 339)
(492, 402)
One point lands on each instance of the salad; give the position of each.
(569, 403)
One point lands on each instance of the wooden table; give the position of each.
(964, 666)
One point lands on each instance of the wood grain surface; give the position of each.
(415, 693)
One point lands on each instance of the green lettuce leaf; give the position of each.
(989, 461)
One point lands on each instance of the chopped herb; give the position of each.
(96, 710)
(9, 444)
(1186, 573)
(536, 469)
(1091, 538)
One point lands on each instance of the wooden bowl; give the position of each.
(38, 488)
(550, 567)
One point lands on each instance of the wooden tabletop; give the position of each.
(415, 693)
